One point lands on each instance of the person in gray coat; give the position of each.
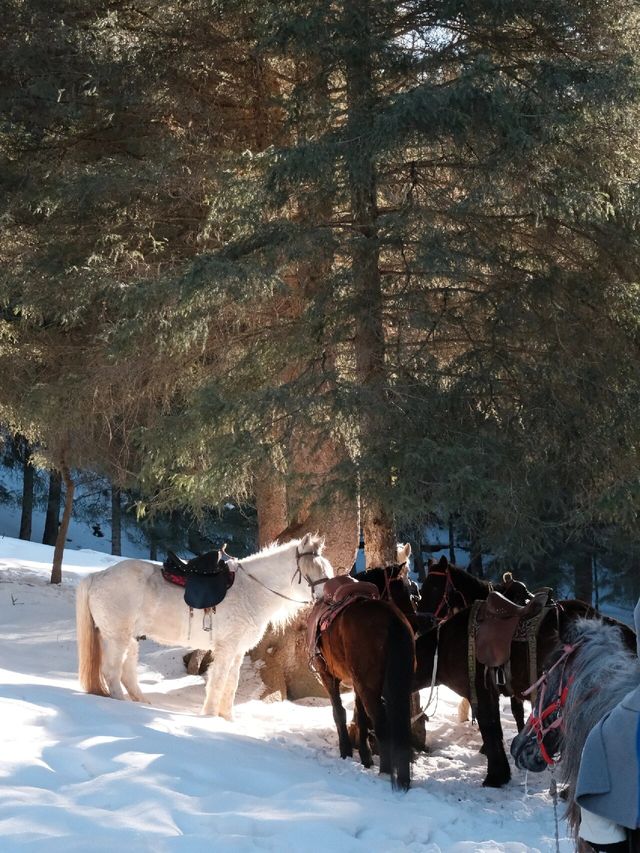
(608, 786)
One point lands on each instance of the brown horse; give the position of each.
(451, 642)
(370, 646)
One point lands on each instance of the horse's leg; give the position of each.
(231, 687)
(498, 770)
(130, 672)
(363, 733)
(375, 713)
(517, 709)
(332, 686)
(113, 653)
(217, 676)
(464, 710)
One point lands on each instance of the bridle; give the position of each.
(539, 721)
(298, 571)
(449, 589)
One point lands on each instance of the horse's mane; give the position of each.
(392, 571)
(603, 653)
(458, 571)
(316, 543)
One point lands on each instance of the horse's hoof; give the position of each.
(490, 782)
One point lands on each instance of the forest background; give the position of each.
(354, 266)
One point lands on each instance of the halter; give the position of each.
(537, 721)
(449, 587)
(298, 571)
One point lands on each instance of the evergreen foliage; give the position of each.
(410, 229)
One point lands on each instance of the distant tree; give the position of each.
(116, 521)
(52, 516)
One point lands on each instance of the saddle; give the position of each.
(337, 594)
(497, 620)
(206, 579)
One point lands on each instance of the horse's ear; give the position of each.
(304, 542)
(430, 563)
(312, 542)
(443, 562)
(403, 552)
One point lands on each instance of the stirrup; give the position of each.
(207, 618)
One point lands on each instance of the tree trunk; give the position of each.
(583, 575)
(418, 559)
(26, 514)
(336, 519)
(116, 521)
(271, 505)
(56, 569)
(53, 509)
(375, 481)
(452, 542)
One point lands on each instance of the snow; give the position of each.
(80, 772)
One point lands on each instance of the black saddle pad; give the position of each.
(202, 591)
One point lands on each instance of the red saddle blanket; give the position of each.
(338, 593)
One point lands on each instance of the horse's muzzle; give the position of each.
(526, 752)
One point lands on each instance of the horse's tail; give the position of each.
(396, 693)
(88, 639)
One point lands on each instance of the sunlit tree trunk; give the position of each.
(375, 483)
(271, 505)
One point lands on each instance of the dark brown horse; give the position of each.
(370, 646)
(448, 589)
(451, 640)
(394, 585)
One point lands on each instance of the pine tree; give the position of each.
(479, 308)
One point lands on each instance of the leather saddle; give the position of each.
(337, 594)
(206, 578)
(497, 620)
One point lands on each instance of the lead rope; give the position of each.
(426, 710)
(553, 790)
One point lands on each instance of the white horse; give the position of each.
(131, 599)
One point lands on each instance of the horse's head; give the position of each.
(439, 594)
(538, 745)
(311, 566)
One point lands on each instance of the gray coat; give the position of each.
(609, 778)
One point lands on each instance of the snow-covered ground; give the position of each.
(83, 773)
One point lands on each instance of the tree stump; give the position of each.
(281, 659)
